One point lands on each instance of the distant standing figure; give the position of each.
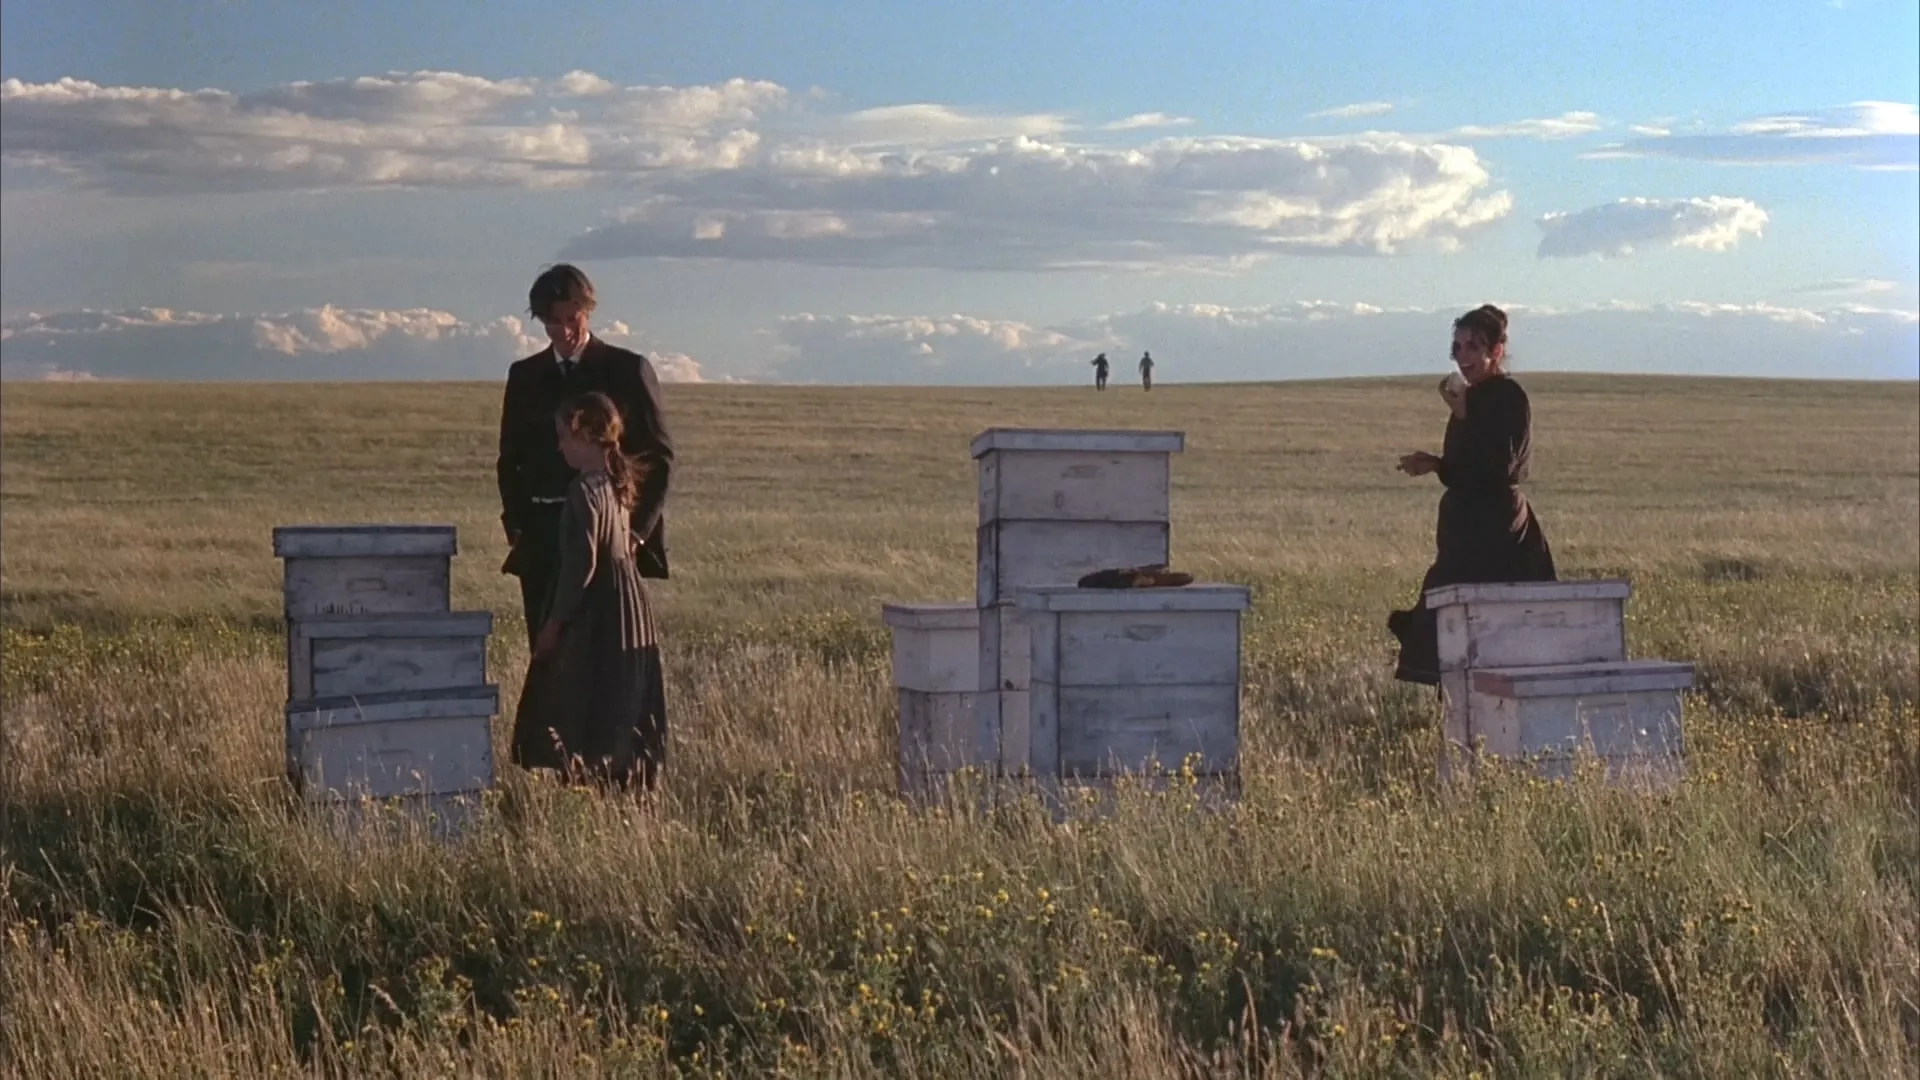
(1487, 530)
(1146, 370)
(1100, 367)
(594, 703)
(532, 474)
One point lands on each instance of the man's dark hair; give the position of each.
(556, 284)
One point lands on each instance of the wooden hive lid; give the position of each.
(931, 616)
(1199, 596)
(360, 541)
(1529, 592)
(1581, 680)
(1115, 441)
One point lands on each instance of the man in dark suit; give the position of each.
(533, 476)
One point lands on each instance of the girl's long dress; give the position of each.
(1486, 531)
(596, 707)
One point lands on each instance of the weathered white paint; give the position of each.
(936, 647)
(1108, 730)
(1017, 554)
(370, 654)
(1125, 680)
(372, 585)
(1005, 649)
(1142, 648)
(1456, 730)
(1070, 439)
(1006, 662)
(941, 734)
(363, 541)
(1199, 596)
(1627, 714)
(1074, 485)
(1529, 592)
(354, 709)
(1482, 633)
(322, 732)
(413, 757)
(1004, 717)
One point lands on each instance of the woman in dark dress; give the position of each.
(594, 703)
(1487, 531)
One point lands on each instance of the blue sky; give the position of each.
(984, 192)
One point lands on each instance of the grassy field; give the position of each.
(166, 911)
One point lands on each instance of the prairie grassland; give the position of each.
(165, 910)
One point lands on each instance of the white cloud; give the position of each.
(1027, 204)
(1620, 228)
(743, 169)
(1565, 126)
(951, 349)
(1848, 287)
(1141, 121)
(937, 125)
(324, 343)
(1347, 112)
(1883, 135)
(1205, 342)
(425, 129)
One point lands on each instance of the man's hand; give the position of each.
(1418, 463)
(548, 642)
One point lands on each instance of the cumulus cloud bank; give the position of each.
(318, 344)
(1024, 203)
(1881, 135)
(749, 170)
(1620, 228)
(1348, 112)
(1206, 342)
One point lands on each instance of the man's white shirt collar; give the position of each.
(577, 353)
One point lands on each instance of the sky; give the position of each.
(981, 193)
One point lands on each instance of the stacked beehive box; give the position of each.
(1055, 506)
(1134, 678)
(1539, 671)
(936, 676)
(1134, 682)
(387, 692)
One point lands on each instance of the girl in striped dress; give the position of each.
(594, 703)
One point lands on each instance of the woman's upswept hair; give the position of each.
(594, 418)
(1487, 323)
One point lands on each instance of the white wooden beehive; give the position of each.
(1133, 681)
(387, 687)
(936, 661)
(430, 752)
(364, 654)
(365, 569)
(1627, 714)
(1523, 624)
(1054, 506)
(420, 742)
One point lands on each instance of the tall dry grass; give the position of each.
(166, 909)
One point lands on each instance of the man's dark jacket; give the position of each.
(531, 467)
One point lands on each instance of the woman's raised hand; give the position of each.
(1418, 463)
